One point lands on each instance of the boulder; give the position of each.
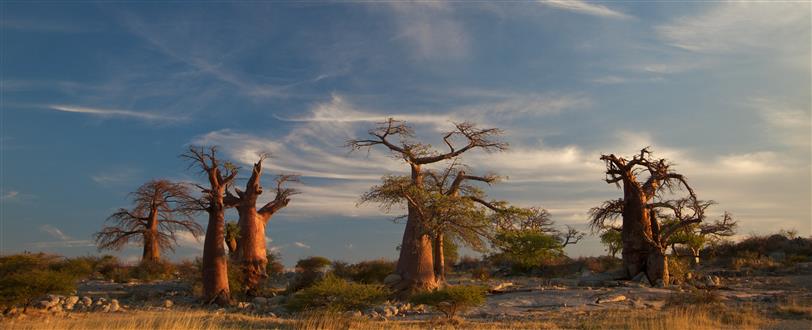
(610, 299)
(114, 305)
(500, 287)
(86, 301)
(392, 279)
(71, 300)
(277, 300)
(168, 303)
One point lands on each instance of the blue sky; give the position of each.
(98, 98)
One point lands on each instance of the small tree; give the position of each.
(611, 239)
(161, 208)
(452, 299)
(696, 235)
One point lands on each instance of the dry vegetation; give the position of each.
(677, 318)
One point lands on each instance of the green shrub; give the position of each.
(25, 277)
(336, 294)
(453, 299)
(678, 269)
(370, 271)
(527, 249)
(275, 267)
(153, 270)
(308, 271)
(80, 267)
(109, 267)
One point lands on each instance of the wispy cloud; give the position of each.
(114, 113)
(777, 28)
(10, 195)
(431, 29)
(115, 176)
(584, 7)
(301, 245)
(54, 232)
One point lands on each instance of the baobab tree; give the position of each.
(415, 263)
(644, 231)
(160, 209)
(215, 262)
(250, 249)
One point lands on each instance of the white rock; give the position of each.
(168, 303)
(114, 306)
(610, 299)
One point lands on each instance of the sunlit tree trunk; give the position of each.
(416, 265)
(152, 251)
(439, 258)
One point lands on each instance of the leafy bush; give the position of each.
(370, 271)
(678, 270)
(109, 267)
(337, 294)
(153, 270)
(308, 271)
(275, 267)
(80, 267)
(25, 277)
(453, 299)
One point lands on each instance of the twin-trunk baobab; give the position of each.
(416, 263)
(249, 244)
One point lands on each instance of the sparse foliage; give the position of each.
(452, 299)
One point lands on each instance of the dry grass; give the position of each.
(676, 318)
(795, 309)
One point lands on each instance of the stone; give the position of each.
(610, 299)
(86, 301)
(501, 286)
(114, 305)
(712, 281)
(259, 301)
(392, 279)
(277, 300)
(71, 300)
(244, 305)
(168, 303)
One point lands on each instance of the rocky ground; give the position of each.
(510, 298)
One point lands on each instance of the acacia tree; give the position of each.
(415, 263)
(694, 236)
(160, 209)
(527, 236)
(215, 262)
(640, 252)
(251, 249)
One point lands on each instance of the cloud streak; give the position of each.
(100, 112)
(586, 8)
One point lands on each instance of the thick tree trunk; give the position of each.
(657, 267)
(253, 253)
(636, 226)
(152, 251)
(215, 262)
(439, 258)
(415, 265)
